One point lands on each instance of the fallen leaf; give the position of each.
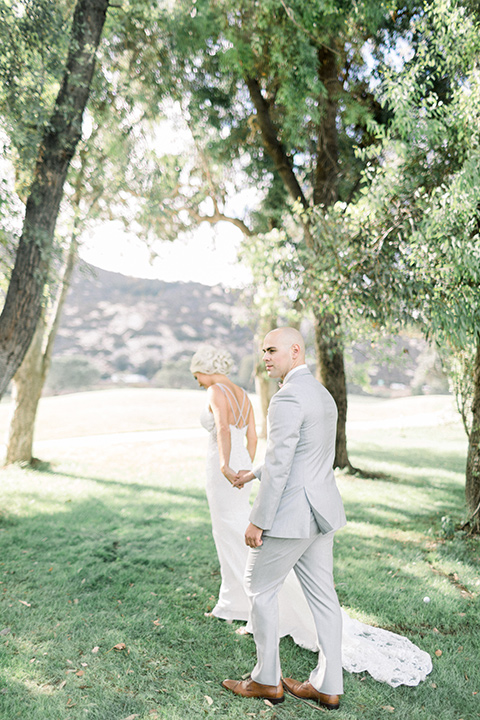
(438, 653)
(80, 673)
(5, 631)
(156, 622)
(118, 647)
(131, 717)
(433, 685)
(70, 703)
(268, 703)
(84, 664)
(388, 708)
(62, 684)
(25, 603)
(95, 649)
(208, 699)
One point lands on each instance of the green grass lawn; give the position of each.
(107, 566)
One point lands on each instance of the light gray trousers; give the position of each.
(267, 568)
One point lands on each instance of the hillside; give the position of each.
(132, 330)
(126, 325)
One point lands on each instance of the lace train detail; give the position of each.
(388, 657)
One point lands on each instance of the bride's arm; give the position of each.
(218, 404)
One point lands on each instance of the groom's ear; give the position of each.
(295, 350)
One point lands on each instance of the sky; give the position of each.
(208, 257)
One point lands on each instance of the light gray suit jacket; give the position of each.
(297, 476)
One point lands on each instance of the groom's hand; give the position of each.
(253, 536)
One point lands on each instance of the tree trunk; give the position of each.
(325, 188)
(30, 377)
(27, 389)
(325, 192)
(331, 372)
(472, 487)
(264, 386)
(265, 389)
(328, 333)
(273, 146)
(23, 303)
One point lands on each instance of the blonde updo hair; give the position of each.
(210, 360)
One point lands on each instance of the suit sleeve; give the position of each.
(285, 417)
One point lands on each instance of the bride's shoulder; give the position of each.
(216, 392)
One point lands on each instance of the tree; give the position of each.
(107, 176)
(416, 254)
(24, 299)
(30, 377)
(283, 86)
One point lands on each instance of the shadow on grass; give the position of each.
(137, 486)
(140, 568)
(404, 518)
(425, 459)
(386, 581)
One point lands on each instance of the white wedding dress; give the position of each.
(229, 511)
(388, 657)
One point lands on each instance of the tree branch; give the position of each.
(316, 41)
(220, 217)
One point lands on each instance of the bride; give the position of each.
(228, 417)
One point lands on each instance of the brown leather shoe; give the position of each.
(250, 688)
(306, 691)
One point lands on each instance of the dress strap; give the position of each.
(244, 411)
(238, 413)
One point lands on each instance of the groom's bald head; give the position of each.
(284, 349)
(288, 336)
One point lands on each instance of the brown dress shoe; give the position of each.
(250, 688)
(305, 691)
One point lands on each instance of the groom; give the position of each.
(293, 521)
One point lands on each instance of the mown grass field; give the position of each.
(107, 565)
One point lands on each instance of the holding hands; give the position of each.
(243, 476)
(231, 475)
(237, 479)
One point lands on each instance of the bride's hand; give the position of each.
(231, 476)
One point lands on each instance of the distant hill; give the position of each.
(135, 331)
(129, 326)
